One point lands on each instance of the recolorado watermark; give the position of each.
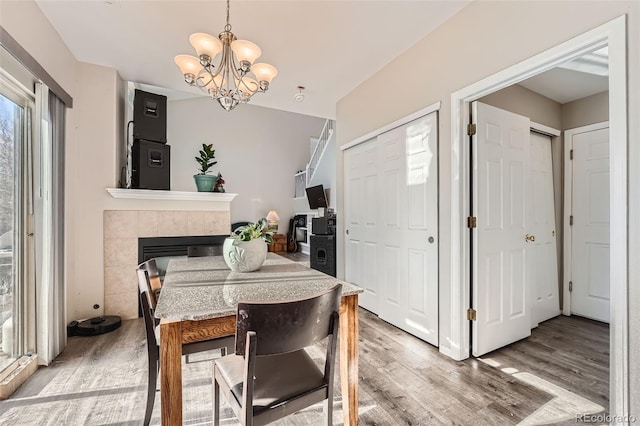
(606, 418)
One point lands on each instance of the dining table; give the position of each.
(199, 300)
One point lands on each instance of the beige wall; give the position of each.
(523, 101)
(91, 167)
(582, 112)
(483, 39)
(258, 151)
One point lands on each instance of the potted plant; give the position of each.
(246, 249)
(205, 182)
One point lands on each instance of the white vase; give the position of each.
(244, 256)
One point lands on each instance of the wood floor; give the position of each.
(549, 378)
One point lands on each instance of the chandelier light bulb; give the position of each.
(205, 44)
(188, 64)
(246, 50)
(264, 72)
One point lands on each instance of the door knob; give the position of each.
(347, 232)
(431, 240)
(530, 238)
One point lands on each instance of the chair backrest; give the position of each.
(237, 225)
(287, 326)
(152, 283)
(146, 300)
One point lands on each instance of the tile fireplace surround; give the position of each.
(125, 223)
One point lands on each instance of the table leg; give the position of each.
(171, 372)
(349, 358)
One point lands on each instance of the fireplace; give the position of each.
(149, 248)
(163, 233)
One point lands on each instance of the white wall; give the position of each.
(482, 39)
(258, 151)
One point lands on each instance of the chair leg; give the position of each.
(216, 402)
(327, 411)
(151, 388)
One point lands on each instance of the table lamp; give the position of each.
(272, 221)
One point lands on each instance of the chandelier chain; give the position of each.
(228, 26)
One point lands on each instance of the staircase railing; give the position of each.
(325, 135)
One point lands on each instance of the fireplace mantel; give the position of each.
(151, 194)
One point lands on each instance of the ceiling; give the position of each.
(329, 47)
(584, 76)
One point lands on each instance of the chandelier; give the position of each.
(235, 78)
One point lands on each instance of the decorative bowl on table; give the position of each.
(246, 249)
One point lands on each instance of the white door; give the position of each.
(361, 240)
(409, 252)
(391, 241)
(542, 253)
(500, 168)
(590, 229)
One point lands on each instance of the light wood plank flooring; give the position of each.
(403, 381)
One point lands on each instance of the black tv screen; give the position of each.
(316, 197)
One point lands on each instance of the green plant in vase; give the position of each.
(204, 181)
(246, 249)
(253, 231)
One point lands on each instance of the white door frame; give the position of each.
(567, 230)
(613, 35)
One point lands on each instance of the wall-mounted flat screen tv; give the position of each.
(316, 197)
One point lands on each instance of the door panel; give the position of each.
(410, 153)
(500, 292)
(590, 230)
(543, 251)
(400, 231)
(361, 222)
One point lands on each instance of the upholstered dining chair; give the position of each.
(271, 375)
(149, 284)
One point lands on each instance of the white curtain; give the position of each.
(49, 218)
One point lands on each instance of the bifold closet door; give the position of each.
(361, 222)
(396, 197)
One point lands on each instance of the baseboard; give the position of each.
(16, 374)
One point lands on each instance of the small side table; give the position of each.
(279, 243)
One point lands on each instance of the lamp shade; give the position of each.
(246, 50)
(264, 72)
(272, 216)
(205, 44)
(188, 64)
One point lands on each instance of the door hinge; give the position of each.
(472, 222)
(570, 286)
(471, 129)
(471, 314)
(571, 220)
(571, 154)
